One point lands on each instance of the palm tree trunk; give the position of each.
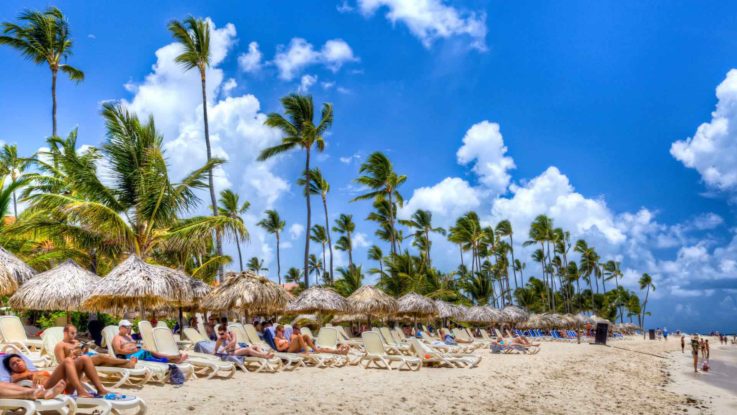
(15, 206)
(350, 249)
(53, 103)
(511, 251)
(240, 258)
(392, 236)
(460, 249)
(323, 257)
(642, 319)
(278, 260)
(330, 241)
(213, 200)
(309, 216)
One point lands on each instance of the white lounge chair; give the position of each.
(430, 355)
(166, 344)
(158, 370)
(13, 339)
(290, 361)
(375, 354)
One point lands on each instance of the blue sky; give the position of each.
(509, 108)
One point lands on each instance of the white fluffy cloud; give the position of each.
(251, 61)
(305, 83)
(296, 230)
(484, 146)
(712, 151)
(299, 54)
(447, 200)
(173, 97)
(430, 20)
(361, 240)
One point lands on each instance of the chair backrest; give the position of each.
(50, 338)
(161, 323)
(201, 329)
(469, 333)
(307, 331)
(373, 343)
(240, 333)
(108, 334)
(146, 330)
(421, 349)
(164, 341)
(342, 333)
(484, 334)
(11, 330)
(498, 333)
(252, 336)
(193, 335)
(387, 335)
(395, 336)
(328, 337)
(460, 334)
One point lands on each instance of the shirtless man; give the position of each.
(127, 348)
(71, 347)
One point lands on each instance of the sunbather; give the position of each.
(127, 348)
(13, 391)
(523, 340)
(450, 339)
(69, 371)
(224, 345)
(71, 347)
(302, 343)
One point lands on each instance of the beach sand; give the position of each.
(713, 392)
(562, 379)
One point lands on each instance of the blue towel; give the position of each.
(269, 339)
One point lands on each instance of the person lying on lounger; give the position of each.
(224, 345)
(302, 343)
(71, 347)
(69, 371)
(127, 348)
(524, 341)
(13, 391)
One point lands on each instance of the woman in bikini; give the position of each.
(66, 373)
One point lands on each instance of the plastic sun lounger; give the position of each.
(146, 331)
(460, 334)
(328, 338)
(390, 344)
(158, 370)
(113, 376)
(147, 343)
(428, 355)
(344, 338)
(284, 360)
(14, 340)
(211, 367)
(61, 405)
(261, 364)
(377, 355)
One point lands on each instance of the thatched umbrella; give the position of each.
(13, 272)
(448, 310)
(134, 283)
(61, 288)
(513, 314)
(416, 305)
(318, 300)
(248, 292)
(480, 314)
(371, 301)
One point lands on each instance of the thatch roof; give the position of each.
(247, 291)
(414, 304)
(369, 300)
(306, 320)
(13, 272)
(134, 283)
(348, 318)
(61, 288)
(318, 300)
(448, 310)
(513, 314)
(481, 314)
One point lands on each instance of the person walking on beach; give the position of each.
(695, 352)
(683, 344)
(665, 333)
(706, 348)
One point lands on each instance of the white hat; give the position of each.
(125, 323)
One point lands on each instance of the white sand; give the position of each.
(562, 379)
(711, 392)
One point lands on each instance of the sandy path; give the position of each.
(562, 379)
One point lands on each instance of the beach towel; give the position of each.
(269, 339)
(176, 377)
(208, 347)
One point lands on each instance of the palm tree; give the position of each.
(345, 227)
(293, 275)
(589, 265)
(320, 186)
(44, 39)
(541, 232)
(13, 166)
(319, 234)
(231, 207)
(274, 225)
(7, 194)
(520, 266)
(612, 270)
(646, 283)
(421, 221)
(379, 176)
(375, 254)
(194, 36)
(256, 265)
(315, 267)
(504, 228)
(300, 131)
(351, 279)
(136, 211)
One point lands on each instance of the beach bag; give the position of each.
(176, 377)
(705, 365)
